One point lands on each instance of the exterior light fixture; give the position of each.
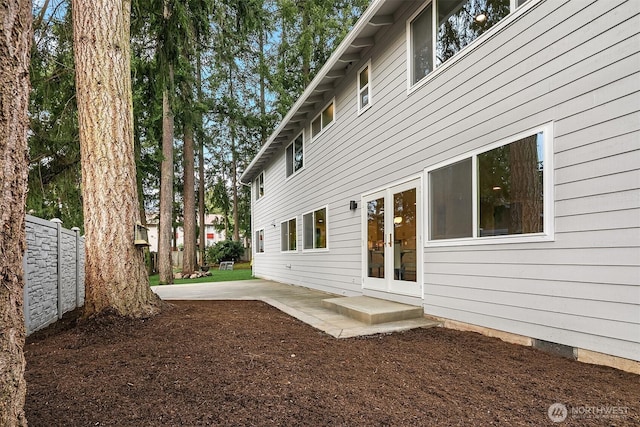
(353, 205)
(480, 18)
(397, 220)
(497, 188)
(141, 236)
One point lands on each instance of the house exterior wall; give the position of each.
(572, 65)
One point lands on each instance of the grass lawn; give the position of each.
(216, 276)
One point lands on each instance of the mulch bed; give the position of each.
(244, 363)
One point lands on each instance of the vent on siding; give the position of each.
(555, 348)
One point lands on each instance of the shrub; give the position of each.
(226, 250)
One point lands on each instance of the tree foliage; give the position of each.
(54, 171)
(256, 57)
(226, 250)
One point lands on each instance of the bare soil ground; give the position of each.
(244, 363)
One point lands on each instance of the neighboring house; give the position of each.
(493, 179)
(212, 234)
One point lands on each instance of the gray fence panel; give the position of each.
(54, 272)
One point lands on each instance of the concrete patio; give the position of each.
(340, 317)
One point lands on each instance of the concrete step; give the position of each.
(372, 311)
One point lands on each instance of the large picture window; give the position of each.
(288, 235)
(314, 229)
(502, 191)
(295, 155)
(435, 37)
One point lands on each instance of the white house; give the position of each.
(478, 158)
(212, 234)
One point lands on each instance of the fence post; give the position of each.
(58, 223)
(25, 293)
(77, 231)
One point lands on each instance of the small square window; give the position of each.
(322, 120)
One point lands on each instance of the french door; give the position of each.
(392, 253)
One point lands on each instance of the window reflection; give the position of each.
(462, 21)
(404, 235)
(510, 183)
(375, 238)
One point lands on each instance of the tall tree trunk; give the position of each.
(115, 276)
(306, 42)
(138, 153)
(234, 164)
(165, 267)
(15, 47)
(234, 183)
(189, 260)
(200, 141)
(263, 103)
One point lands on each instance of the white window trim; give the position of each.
(304, 157)
(484, 37)
(548, 187)
(288, 251)
(257, 181)
(362, 109)
(326, 219)
(323, 128)
(256, 252)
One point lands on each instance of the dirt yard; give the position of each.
(245, 363)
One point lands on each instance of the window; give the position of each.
(260, 185)
(314, 229)
(364, 88)
(295, 155)
(503, 191)
(260, 241)
(451, 201)
(435, 37)
(288, 237)
(323, 120)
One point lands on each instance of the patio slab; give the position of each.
(302, 303)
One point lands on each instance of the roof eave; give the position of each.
(252, 170)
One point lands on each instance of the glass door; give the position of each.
(375, 265)
(392, 245)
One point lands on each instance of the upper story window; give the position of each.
(314, 229)
(364, 88)
(322, 120)
(295, 155)
(505, 191)
(288, 235)
(260, 186)
(444, 27)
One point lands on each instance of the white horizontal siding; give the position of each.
(575, 64)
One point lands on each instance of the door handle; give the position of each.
(390, 240)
